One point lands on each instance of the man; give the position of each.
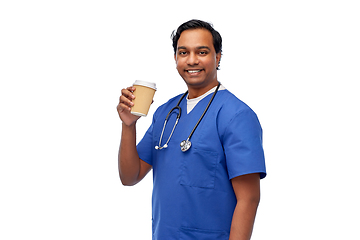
(209, 189)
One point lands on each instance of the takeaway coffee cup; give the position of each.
(144, 94)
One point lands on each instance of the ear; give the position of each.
(218, 58)
(175, 57)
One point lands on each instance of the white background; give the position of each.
(64, 63)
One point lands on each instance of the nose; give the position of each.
(192, 59)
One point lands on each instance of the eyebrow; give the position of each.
(200, 47)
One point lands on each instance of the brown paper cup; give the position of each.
(144, 94)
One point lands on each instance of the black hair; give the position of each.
(198, 24)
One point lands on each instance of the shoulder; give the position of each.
(171, 102)
(234, 113)
(231, 105)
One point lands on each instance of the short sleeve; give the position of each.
(145, 146)
(242, 142)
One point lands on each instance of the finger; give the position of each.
(128, 92)
(126, 101)
(122, 107)
(131, 88)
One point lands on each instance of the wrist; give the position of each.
(129, 125)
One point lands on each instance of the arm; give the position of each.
(131, 168)
(247, 191)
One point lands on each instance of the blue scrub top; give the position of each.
(193, 196)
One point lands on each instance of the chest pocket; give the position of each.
(199, 168)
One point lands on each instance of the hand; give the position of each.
(124, 106)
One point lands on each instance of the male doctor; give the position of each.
(212, 189)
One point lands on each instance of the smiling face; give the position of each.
(196, 61)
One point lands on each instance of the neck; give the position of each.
(195, 92)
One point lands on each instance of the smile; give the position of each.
(193, 71)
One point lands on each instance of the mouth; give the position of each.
(192, 71)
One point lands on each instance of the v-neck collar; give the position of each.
(192, 103)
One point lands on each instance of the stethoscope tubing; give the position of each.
(203, 114)
(187, 142)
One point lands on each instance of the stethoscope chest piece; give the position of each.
(185, 145)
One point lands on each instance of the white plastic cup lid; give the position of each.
(145, 84)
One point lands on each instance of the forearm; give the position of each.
(129, 161)
(243, 219)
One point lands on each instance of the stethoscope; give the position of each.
(186, 144)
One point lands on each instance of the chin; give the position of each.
(194, 83)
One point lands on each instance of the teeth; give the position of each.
(193, 71)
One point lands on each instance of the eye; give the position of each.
(202, 52)
(182, 53)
